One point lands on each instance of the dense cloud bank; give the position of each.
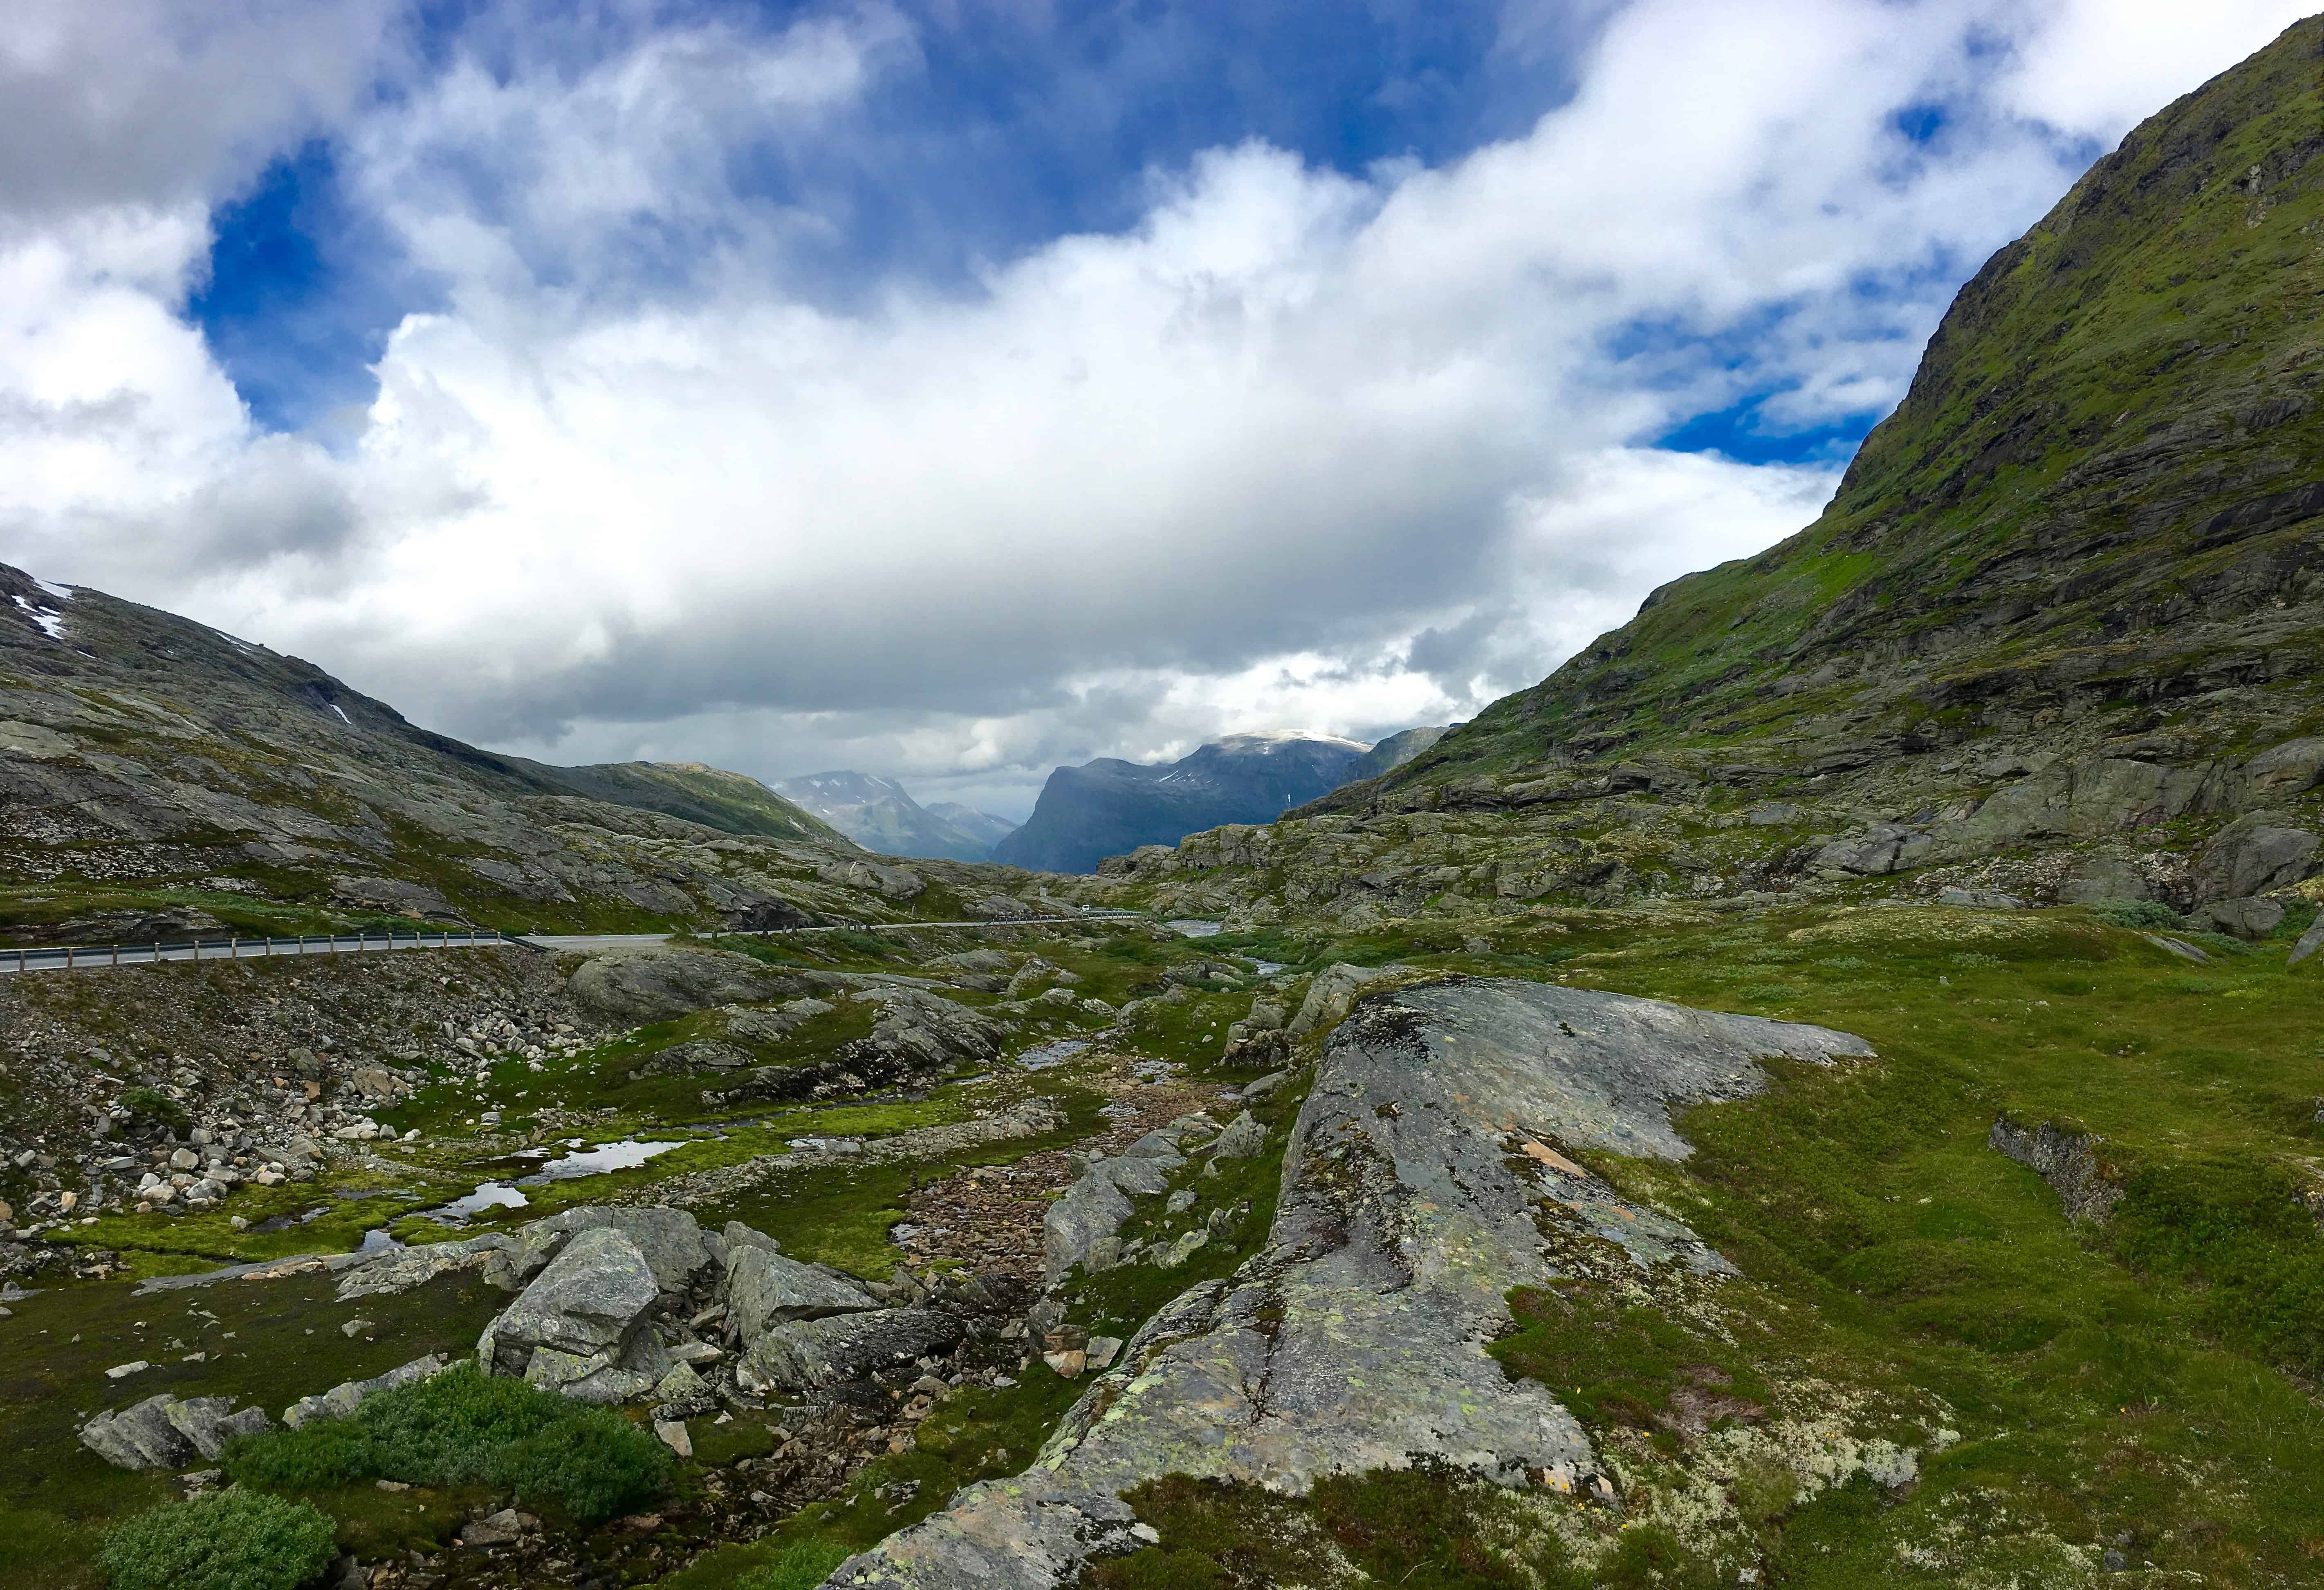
(676, 458)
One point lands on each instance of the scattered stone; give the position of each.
(123, 1371)
(673, 1435)
(348, 1395)
(1243, 1137)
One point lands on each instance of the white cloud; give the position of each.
(1296, 449)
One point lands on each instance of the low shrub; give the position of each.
(156, 1106)
(235, 1540)
(2140, 914)
(461, 1427)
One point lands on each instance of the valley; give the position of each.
(1823, 1091)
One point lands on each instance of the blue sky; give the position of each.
(951, 389)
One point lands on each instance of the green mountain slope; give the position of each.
(696, 792)
(2101, 490)
(2055, 638)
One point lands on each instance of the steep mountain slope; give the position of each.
(1110, 807)
(881, 814)
(2049, 634)
(735, 803)
(149, 764)
(981, 827)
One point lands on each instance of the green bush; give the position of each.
(156, 1106)
(800, 1566)
(2141, 913)
(232, 1539)
(461, 1427)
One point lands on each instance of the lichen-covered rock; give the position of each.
(1419, 1181)
(2068, 1160)
(808, 1355)
(663, 984)
(1243, 1137)
(584, 1305)
(2250, 855)
(165, 1432)
(673, 1244)
(2253, 918)
(764, 1289)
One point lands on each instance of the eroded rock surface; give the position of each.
(1418, 1171)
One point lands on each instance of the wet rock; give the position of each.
(809, 1355)
(765, 1290)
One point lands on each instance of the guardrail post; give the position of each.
(197, 947)
(116, 954)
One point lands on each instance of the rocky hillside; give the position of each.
(156, 774)
(2056, 636)
(1110, 807)
(881, 814)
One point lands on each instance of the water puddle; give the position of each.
(574, 1164)
(1193, 927)
(1268, 969)
(1055, 1053)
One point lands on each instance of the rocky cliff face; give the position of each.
(1110, 807)
(2056, 637)
(146, 760)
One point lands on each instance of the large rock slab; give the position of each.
(674, 1245)
(2252, 855)
(1420, 1170)
(765, 1290)
(584, 1304)
(664, 983)
(809, 1355)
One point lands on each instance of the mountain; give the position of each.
(881, 815)
(2057, 635)
(151, 765)
(976, 824)
(1110, 807)
(735, 803)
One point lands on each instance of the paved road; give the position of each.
(80, 957)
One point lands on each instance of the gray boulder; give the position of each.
(640, 985)
(164, 1432)
(1334, 993)
(808, 1355)
(764, 1289)
(584, 1306)
(2103, 878)
(2251, 918)
(1091, 1212)
(1243, 1137)
(2252, 855)
(674, 1246)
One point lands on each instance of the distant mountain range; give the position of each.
(879, 815)
(1110, 807)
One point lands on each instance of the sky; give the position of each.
(951, 389)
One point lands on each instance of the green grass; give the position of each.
(2151, 1377)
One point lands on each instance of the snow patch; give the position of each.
(350, 723)
(51, 622)
(61, 593)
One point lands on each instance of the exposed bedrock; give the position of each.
(1419, 1174)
